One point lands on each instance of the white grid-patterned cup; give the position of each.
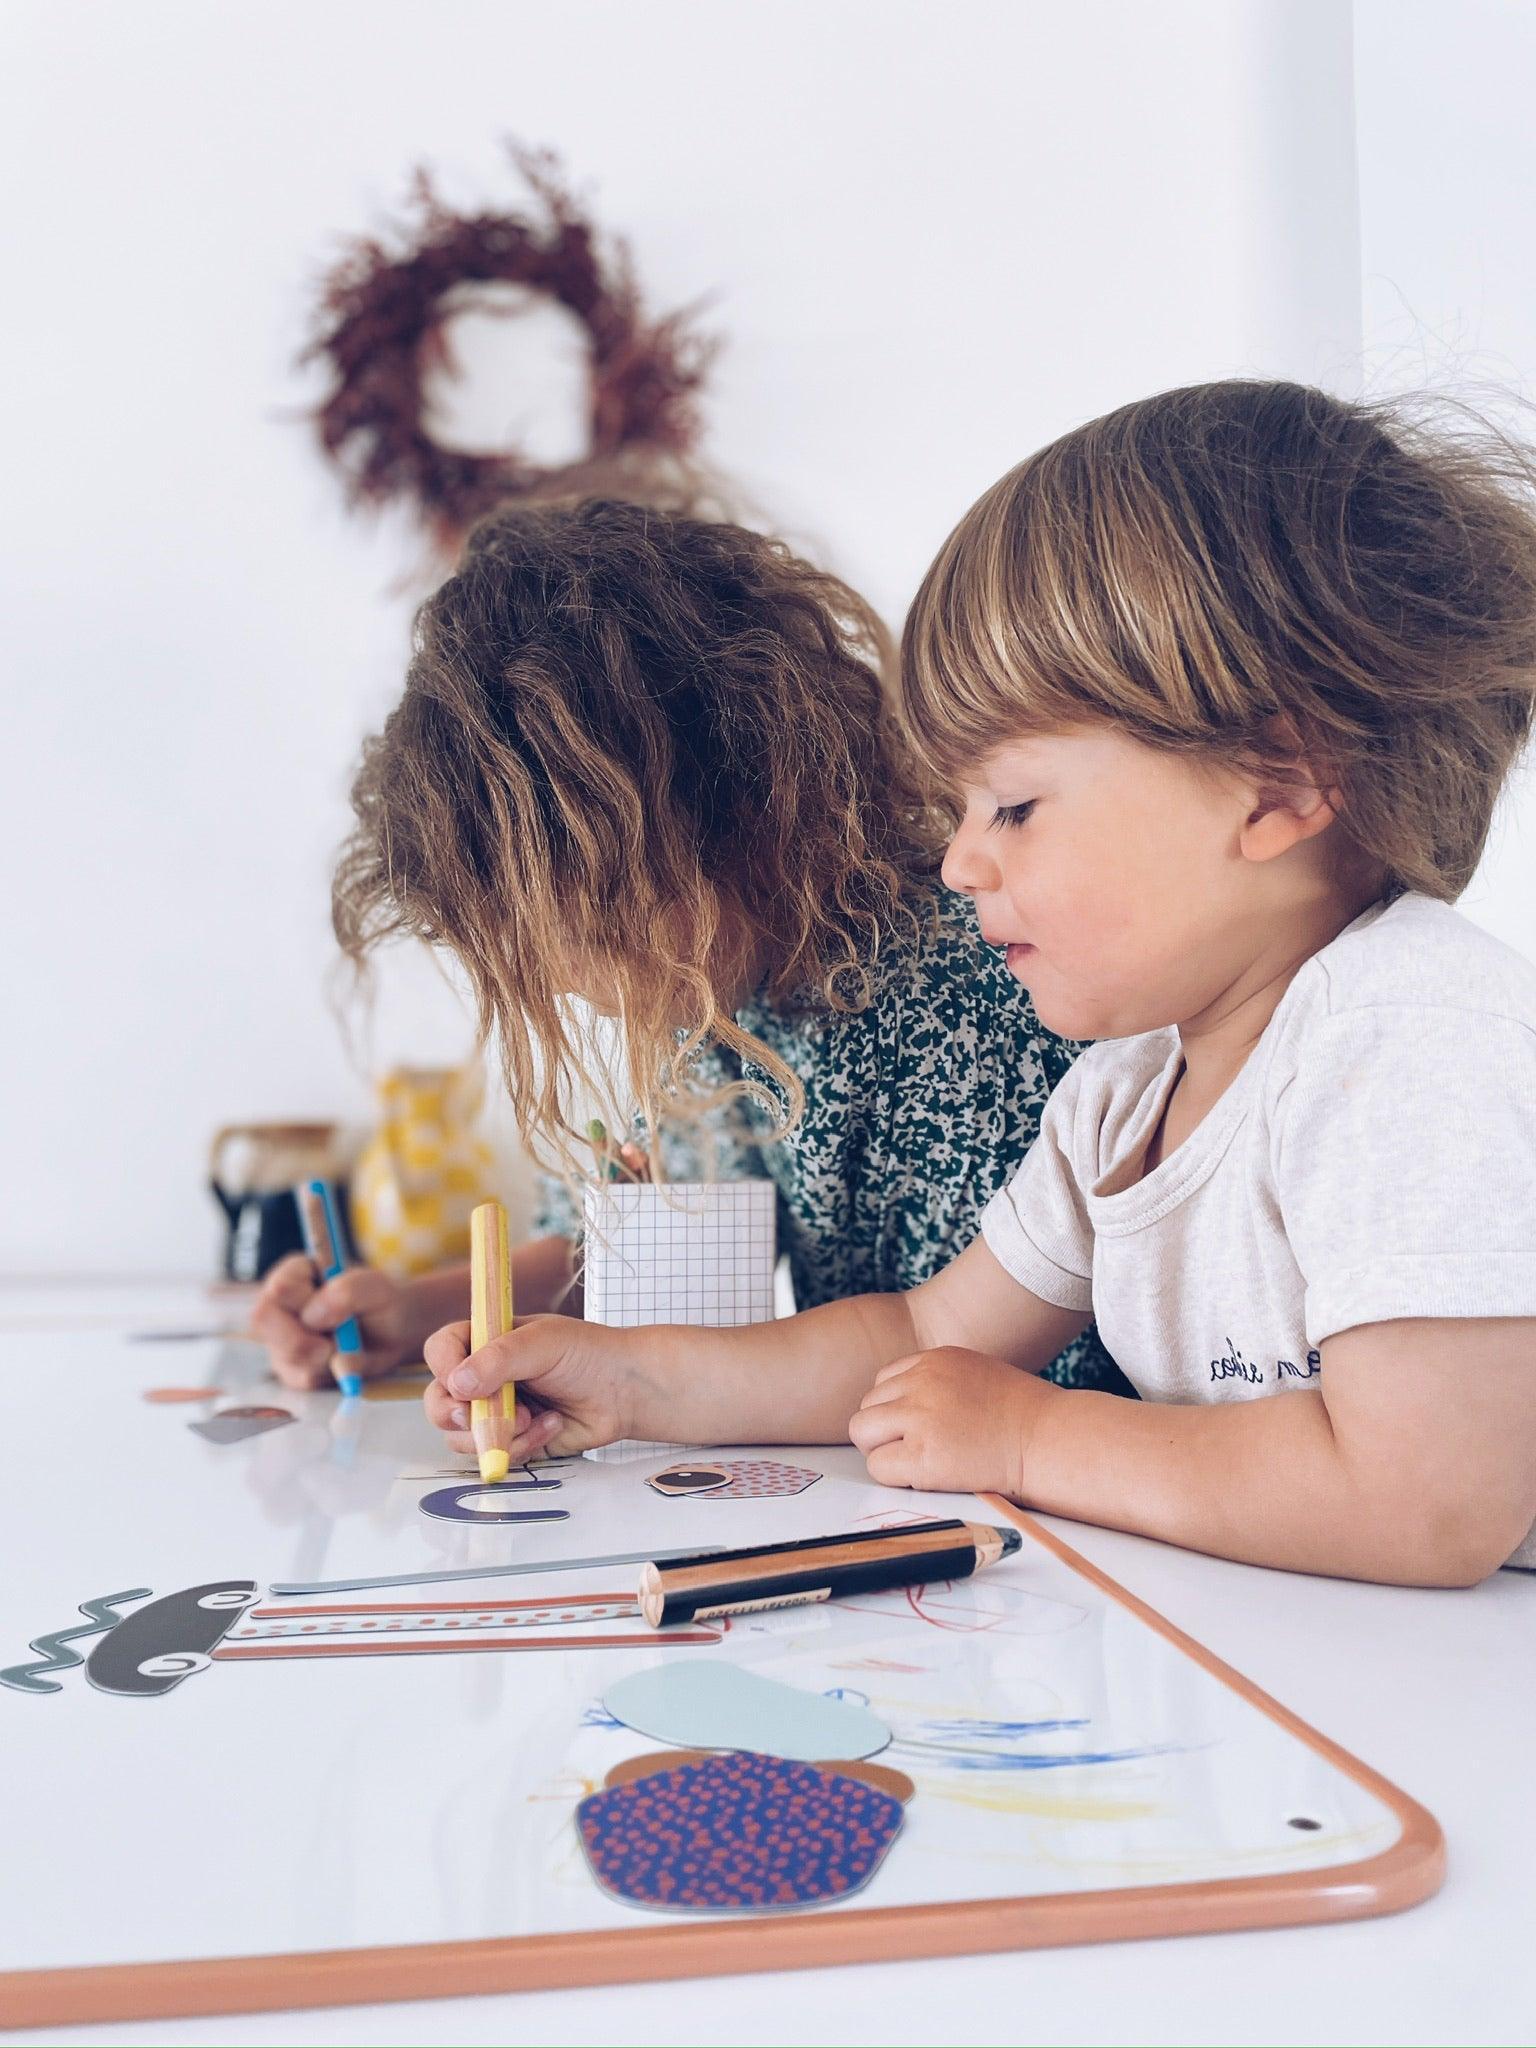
(691, 1252)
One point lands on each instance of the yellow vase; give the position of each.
(422, 1171)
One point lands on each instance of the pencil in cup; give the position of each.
(492, 1422)
(818, 1568)
(320, 1219)
(612, 1159)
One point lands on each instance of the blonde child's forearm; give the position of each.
(798, 1380)
(1263, 1482)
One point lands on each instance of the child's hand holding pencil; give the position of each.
(581, 1372)
(296, 1317)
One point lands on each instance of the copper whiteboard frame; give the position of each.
(1407, 1873)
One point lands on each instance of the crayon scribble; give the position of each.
(991, 1746)
(1024, 1799)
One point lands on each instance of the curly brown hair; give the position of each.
(642, 756)
(1255, 572)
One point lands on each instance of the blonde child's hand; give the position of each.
(569, 1375)
(949, 1421)
(295, 1316)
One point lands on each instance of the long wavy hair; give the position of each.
(651, 760)
(1245, 572)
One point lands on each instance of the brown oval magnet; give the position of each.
(680, 1480)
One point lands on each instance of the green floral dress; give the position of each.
(917, 1108)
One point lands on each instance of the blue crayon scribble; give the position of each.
(995, 1731)
(992, 1746)
(51, 1651)
(598, 1716)
(986, 1760)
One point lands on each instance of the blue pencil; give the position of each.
(321, 1221)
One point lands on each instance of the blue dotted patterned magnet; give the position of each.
(740, 1833)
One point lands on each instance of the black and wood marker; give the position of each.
(820, 1568)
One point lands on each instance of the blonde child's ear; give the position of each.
(1294, 799)
(1285, 819)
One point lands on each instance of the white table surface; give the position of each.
(1435, 1690)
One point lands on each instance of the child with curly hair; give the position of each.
(645, 784)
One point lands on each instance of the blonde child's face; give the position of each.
(1122, 880)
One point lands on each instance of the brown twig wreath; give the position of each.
(381, 326)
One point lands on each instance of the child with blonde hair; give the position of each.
(1225, 686)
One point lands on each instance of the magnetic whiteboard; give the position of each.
(1078, 1773)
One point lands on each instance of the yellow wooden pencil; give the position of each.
(493, 1423)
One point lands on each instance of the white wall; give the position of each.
(935, 236)
(1447, 150)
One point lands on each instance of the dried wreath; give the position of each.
(381, 330)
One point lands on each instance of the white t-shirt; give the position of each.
(1374, 1159)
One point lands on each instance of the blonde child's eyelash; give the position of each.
(1010, 814)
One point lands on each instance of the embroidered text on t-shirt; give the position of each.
(1233, 1366)
(1285, 1370)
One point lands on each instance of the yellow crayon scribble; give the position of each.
(1175, 1866)
(877, 1664)
(565, 1787)
(1011, 1795)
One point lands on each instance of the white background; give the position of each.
(932, 236)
